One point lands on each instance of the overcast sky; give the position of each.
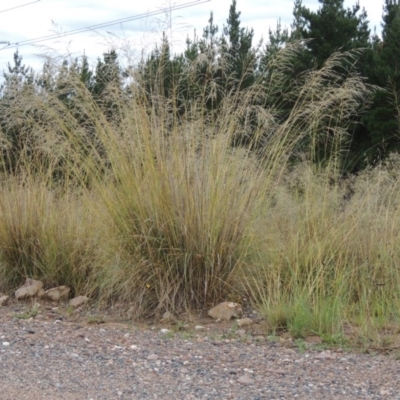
(47, 17)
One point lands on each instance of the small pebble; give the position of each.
(199, 328)
(246, 380)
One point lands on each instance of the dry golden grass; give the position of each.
(162, 211)
(330, 255)
(45, 234)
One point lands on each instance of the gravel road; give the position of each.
(50, 358)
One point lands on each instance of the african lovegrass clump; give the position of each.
(330, 258)
(185, 203)
(46, 235)
(184, 207)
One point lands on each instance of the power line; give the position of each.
(105, 24)
(20, 6)
(13, 8)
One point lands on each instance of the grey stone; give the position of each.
(167, 316)
(131, 313)
(226, 311)
(30, 289)
(3, 299)
(241, 332)
(246, 380)
(59, 293)
(325, 355)
(244, 322)
(78, 301)
(199, 328)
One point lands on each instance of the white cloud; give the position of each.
(49, 16)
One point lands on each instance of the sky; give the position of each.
(20, 22)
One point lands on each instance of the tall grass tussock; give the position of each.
(144, 200)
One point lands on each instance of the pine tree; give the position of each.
(389, 53)
(84, 72)
(106, 86)
(204, 71)
(209, 45)
(383, 121)
(18, 85)
(108, 72)
(157, 72)
(237, 54)
(276, 40)
(18, 75)
(329, 29)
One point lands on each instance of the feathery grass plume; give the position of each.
(192, 212)
(181, 202)
(184, 202)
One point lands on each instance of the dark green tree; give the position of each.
(237, 54)
(331, 28)
(382, 123)
(203, 72)
(210, 67)
(156, 71)
(18, 85)
(276, 40)
(108, 72)
(107, 83)
(18, 75)
(63, 78)
(85, 72)
(162, 74)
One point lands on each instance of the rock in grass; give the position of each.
(244, 322)
(3, 299)
(226, 311)
(199, 328)
(313, 339)
(241, 332)
(78, 301)
(30, 289)
(59, 293)
(167, 317)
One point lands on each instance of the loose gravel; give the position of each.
(50, 358)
